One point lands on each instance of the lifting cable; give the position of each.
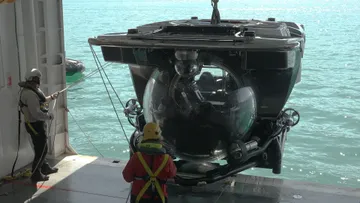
(98, 65)
(97, 61)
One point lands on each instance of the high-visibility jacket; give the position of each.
(135, 172)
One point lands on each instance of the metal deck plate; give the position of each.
(91, 179)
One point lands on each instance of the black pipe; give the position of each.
(260, 150)
(266, 145)
(209, 180)
(18, 149)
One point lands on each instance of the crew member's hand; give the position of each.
(54, 96)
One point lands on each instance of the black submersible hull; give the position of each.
(218, 91)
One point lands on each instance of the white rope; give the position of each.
(87, 136)
(82, 79)
(55, 102)
(128, 197)
(222, 191)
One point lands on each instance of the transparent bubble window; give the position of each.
(211, 107)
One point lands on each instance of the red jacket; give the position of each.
(134, 168)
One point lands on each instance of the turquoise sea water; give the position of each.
(323, 147)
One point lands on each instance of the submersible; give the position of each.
(216, 87)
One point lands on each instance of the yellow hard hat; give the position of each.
(152, 131)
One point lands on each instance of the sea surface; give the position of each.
(324, 147)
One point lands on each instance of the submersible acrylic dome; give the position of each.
(200, 115)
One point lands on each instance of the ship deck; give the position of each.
(92, 179)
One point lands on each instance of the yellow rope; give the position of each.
(19, 175)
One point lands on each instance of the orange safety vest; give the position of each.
(153, 177)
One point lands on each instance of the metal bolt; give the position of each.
(264, 156)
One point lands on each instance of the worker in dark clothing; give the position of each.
(34, 105)
(150, 168)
